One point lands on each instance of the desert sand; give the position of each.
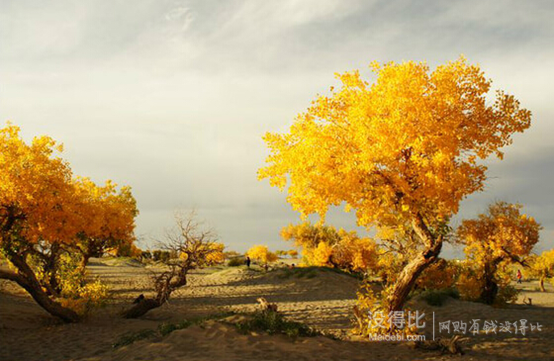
(322, 299)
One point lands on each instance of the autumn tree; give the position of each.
(35, 187)
(307, 235)
(262, 254)
(329, 247)
(195, 248)
(41, 217)
(495, 239)
(543, 267)
(401, 152)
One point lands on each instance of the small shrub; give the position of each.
(274, 323)
(76, 293)
(470, 285)
(438, 297)
(166, 328)
(161, 256)
(235, 262)
(506, 294)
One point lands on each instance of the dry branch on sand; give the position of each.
(445, 345)
(191, 248)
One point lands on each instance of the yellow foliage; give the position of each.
(217, 255)
(501, 233)
(85, 298)
(389, 266)
(46, 210)
(325, 246)
(261, 254)
(407, 144)
(356, 254)
(440, 275)
(370, 307)
(39, 193)
(493, 241)
(470, 285)
(321, 255)
(543, 265)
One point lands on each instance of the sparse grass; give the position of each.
(166, 328)
(261, 321)
(312, 271)
(438, 297)
(131, 337)
(275, 323)
(298, 272)
(358, 276)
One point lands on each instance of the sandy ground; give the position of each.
(323, 300)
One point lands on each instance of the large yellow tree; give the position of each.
(45, 212)
(401, 152)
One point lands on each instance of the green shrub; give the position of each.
(299, 272)
(274, 323)
(166, 328)
(235, 262)
(438, 297)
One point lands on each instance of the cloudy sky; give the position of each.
(172, 97)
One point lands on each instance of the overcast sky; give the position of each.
(172, 97)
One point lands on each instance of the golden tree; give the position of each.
(328, 247)
(308, 236)
(42, 216)
(401, 152)
(262, 254)
(543, 267)
(501, 236)
(35, 187)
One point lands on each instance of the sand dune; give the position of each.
(322, 299)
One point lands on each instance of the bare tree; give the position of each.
(191, 247)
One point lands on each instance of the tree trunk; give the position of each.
(541, 283)
(165, 286)
(409, 275)
(413, 269)
(27, 279)
(84, 262)
(141, 308)
(488, 295)
(53, 269)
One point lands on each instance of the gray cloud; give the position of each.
(172, 97)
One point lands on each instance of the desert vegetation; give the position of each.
(47, 215)
(373, 158)
(400, 153)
